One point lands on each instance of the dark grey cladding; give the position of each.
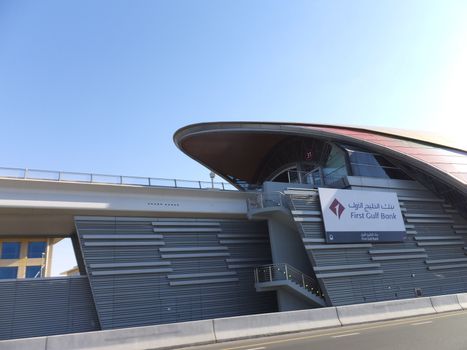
(46, 306)
(431, 258)
(185, 271)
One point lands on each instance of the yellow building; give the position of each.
(26, 257)
(74, 271)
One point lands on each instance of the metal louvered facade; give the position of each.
(430, 261)
(162, 255)
(46, 306)
(146, 271)
(428, 175)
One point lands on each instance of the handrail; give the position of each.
(267, 200)
(124, 180)
(322, 180)
(283, 271)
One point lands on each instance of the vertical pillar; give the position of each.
(23, 259)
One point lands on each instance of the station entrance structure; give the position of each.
(151, 254)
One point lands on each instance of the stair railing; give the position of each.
(268, 200)
(282, 272)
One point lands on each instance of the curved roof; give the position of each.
(236, 149)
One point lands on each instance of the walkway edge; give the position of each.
(235, 328)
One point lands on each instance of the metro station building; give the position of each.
(310, 216)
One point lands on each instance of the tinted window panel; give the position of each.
(35, 249)
(8, 272)
(33, 271)
(11, 250)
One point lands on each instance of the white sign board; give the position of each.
(361, 216)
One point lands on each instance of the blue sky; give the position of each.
(101, 86)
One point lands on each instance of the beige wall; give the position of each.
(23, 260)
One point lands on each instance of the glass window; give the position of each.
(8, 272)
(335, 166)
(373, 165)
(33, 271)
(35, 249)
(11, 250)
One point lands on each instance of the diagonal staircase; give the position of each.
(272, 277)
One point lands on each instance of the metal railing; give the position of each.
(316, 178)
(66, 176)
(285, 272)
(267, 200)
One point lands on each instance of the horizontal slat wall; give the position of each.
(431, 258)
(199, 269)
(46, 306)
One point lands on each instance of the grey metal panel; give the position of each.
(153, 236)
(129, 272)
(347, 274)
(206, 274)
(306, 212)
(308, 219)
(244, 241)
(346, 267)
(431, 215)
(421, 199)
(192, 249)
(243, 266)
(313, 240)
(179, 223)
(245, 259)
(240, 235)
(207, 281)
(125, 243)
(401, 275)
(116, 265)
(398, 257)
(441, 261)
(198, 255)
(424, 244)
(444, 267)
(395, 251)
(138, 299)
(339, 246)
(301, 191)
(46, 306)
(186, 229)
(431, 221)
(434, 238)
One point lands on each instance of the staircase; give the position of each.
(275, 276)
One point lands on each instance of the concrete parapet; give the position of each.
(443, 303)
(38, 343)
(462, 299)
(137, 338)
(275, 323)
(232, 328)
(384, 310)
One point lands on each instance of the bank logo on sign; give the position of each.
(337, 208)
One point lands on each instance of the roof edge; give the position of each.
(405, 134)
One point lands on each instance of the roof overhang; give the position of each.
(238, 148)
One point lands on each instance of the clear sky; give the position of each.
(101, 86)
